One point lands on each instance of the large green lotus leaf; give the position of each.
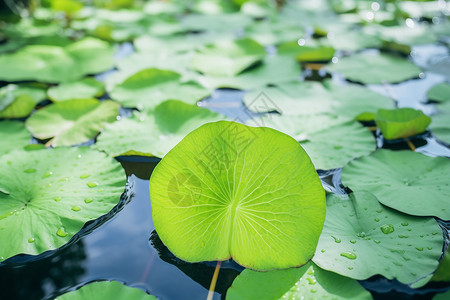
(222, 193)
(47, 196)
(401, 122)
(82, 89)
(440, 92)
(156, 132)
(57, 64)
(297, 98)
(404, 35)
(357, 102)
(329, 140)
(227, 57)
(106, 290)
(375, 68)
(274, 70)
(307, 282)
(216, 22)
(442, 296)
(403, 180)
(149, 87)
(13, 135)
(18, 101)
(443, 271)
(72, 122)
(309, 50)
(352, 40)
(443, 107)
(31, 28)
(440, 126)
(362, 238)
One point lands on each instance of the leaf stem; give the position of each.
(212, 287)
(410, 144)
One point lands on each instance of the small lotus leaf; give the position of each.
(72, 122)
(307, 51)
(47, 195)
(375, 68)
(82, 89)
(401, 122)
(440, 126)
(149, 87)
(18, 101)
(440, 92)
(443, 271)
(404, 180)
(362, 238)
(13, 135)
(106, 290)
(307, 282)
(222, 192)
(228, 58)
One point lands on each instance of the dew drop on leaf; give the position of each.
(29, 170)
(31, 240)
(76, 208)
(92, 184)
(336, 239)
(387, 228)
(61, 232)
(349, 255)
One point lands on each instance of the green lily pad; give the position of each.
(72, 122)
(401, 122)
(218, 23)
(375, 68)
(443, 271)
(149, 87)
(65, 188)
(55, 63)
(18, 101)
(13, 135)
(156, 132)
(82, 89)
(307, 282)
(362, 238)
(348, 40)
(274, 32)
(222, 193)
(402, 180)
(329, 140)
(227, 58)
(440, 126)
(440, 92)
(442, 296)
(309, 50)
(104, 290)
(274, 70)
(404, 35)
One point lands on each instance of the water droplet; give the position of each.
(311, 280)
(376, 220)
(88, 200)
(376, 241)
(57, 199)
(429, 248)
(379, 211)
(31, 170)
(387, 228)
(83, 176)
(92, 184)
(350, 268)
(419, 248)
(100, 190)
(337, 147)
(47, 174)
(405, 223)
(349, 255)
(402, 236)
(61, 232)
(31, 240)
(63, 179)
(353, 241)
(313, 291)
(361, 234)
(398, 264)
(310, 271)
(336, 239)
(323, 250)
(76, 208)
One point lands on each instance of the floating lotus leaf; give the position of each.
(13, 135)
(104, 290)
(362, 238)
(404, 180)
(307, 282)
(439, 92)
(404, 35)
(309, 50)
(227, 58)
(156, 132)
(401, 122)
(18, 101)
(440, 126)
(149, 87)
(55, 63)
(375, 68)
(347, 40)
(48, 195)
(442, 296)
(443, 271)
(72, 122)
(82, 89)
(222, 193)
(329, 140)
(273, 70)
(218, 23)
(270, 33)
